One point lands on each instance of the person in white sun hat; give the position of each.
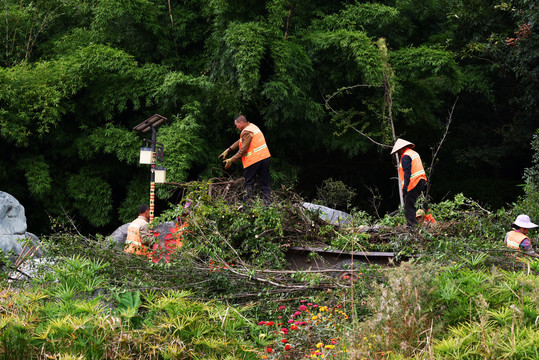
(412, 177)
(518, 237)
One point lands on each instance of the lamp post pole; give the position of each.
(152, 176)
(150, 124)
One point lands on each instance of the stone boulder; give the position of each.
(160, 231)
(330, 215)
(13, 226)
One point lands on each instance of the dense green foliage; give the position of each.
(77, 76)
(228, 293)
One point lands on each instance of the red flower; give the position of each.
(302, 308)
(269, 350)
(283, 341)
(269, 323)
(287, 347)
(284, 331)
(293, 327)
(262, 323)
(282, 307)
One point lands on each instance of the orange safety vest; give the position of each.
(133, 242)
(514, 238)
(258, 149)
(429, 219)
(417, 172)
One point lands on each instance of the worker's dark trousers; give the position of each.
(409, 203)
(262, 170)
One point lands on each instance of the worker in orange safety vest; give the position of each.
(255, 157)
(424, 217)
(138, 233)
(412, 177)
(518, 237)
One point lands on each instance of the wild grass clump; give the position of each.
(402, 319)
(461, 311)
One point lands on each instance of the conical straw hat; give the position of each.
(399, 144)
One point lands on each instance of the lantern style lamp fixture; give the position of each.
(160, 175)
(145, 155)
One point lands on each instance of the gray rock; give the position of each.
(13, 226)
(330, 215)
(120, 234)
(33, 268)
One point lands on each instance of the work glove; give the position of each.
(228, 164)
(224, 154)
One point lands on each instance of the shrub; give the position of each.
(335, 194)
(528, 203)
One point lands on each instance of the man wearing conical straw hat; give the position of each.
(412, 177)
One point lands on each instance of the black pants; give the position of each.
(409, 203)
(262, 170)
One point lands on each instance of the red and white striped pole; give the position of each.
(152, 177)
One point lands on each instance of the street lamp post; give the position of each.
(157, 152)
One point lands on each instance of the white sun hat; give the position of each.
(399, 144)
(523, 221)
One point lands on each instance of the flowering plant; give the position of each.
(312, 331)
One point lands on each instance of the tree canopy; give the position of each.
(76, 77)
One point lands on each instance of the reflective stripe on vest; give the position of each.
(258, 149)
(514, 238)
(417, 171)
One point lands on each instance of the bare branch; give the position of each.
(327, 99)
(435, 154)
(371, 139)
(170, 13)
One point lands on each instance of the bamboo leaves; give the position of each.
(246, 45)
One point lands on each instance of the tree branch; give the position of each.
(435, 154)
